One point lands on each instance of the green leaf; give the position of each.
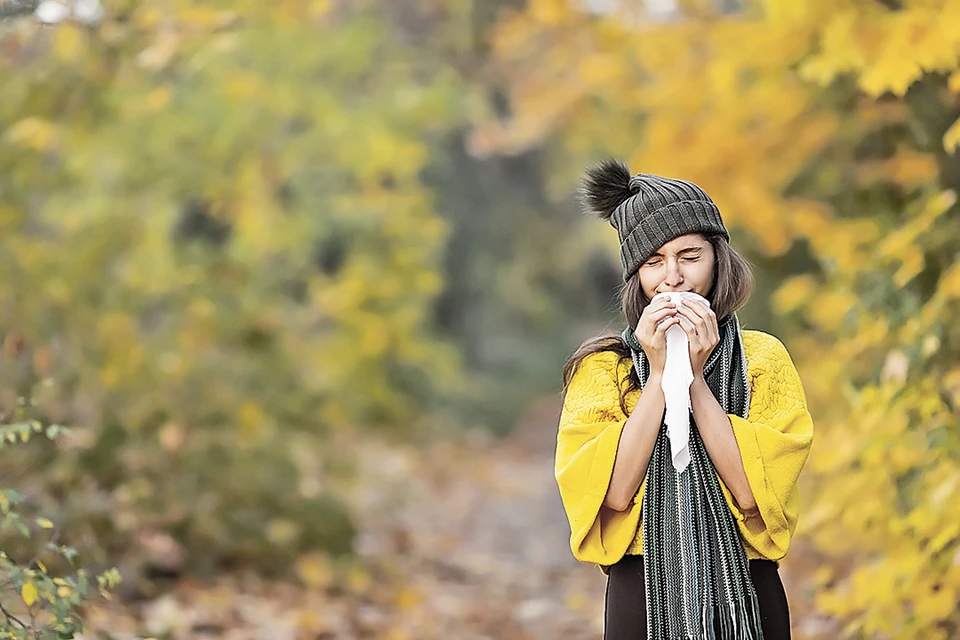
(22, 528)
(82, 584)
(8, 498)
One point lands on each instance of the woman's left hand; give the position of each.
(702, 332)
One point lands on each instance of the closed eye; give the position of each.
(653, 262)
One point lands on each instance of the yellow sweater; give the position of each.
(774, 442)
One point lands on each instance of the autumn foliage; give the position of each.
(234, 235)
(828, 133)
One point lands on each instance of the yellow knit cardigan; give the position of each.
(774, 442)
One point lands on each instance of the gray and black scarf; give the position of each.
(697, 579)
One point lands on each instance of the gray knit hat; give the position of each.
(647, 211)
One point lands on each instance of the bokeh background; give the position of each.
(302, 275)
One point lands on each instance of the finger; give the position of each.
(699, 321)
(666, 324)
(700, 306)
(691, 332)
(695, 339)
(692, 317)
(685, 322)
(705, 312)
(656, 316)
(662, 303)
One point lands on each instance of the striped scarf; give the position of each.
(697, 579)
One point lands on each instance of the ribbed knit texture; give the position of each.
(660, 210)
(696, 577)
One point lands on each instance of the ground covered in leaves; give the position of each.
(464, 539)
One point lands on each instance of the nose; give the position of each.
(673, 279)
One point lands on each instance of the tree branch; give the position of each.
(17, 8)
(12, 617)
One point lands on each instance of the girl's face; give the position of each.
(683, 264)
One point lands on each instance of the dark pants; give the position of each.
(625, 616)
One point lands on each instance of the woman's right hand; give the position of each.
(653, 338)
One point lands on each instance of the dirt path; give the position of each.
(483, 533)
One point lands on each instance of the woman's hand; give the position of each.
(653, 337)
(700, 324)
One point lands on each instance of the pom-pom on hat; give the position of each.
(647, 211)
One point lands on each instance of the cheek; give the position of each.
(702, 271)
(649, 281)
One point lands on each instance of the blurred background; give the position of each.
(300, 277)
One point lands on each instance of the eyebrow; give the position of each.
(684, 250)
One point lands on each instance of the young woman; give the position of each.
(691, 553)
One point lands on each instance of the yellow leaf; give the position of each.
(44, 523)
(951, 383)
(68, 44)
(551, 12)
(320, 8)
(157, 99)
(950, 281)
(251, 419)
(911, 265)
(951, 139)
(281, 531)
(407, 598)
(793, 293)
(242, 88)
(954, 82)
(895, 76)
(314, 570)
(576, 602)
(29, 594)
(359, 580)
(936, 606)
(35, 133)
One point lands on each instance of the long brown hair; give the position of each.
(732, 286)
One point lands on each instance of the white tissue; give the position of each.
(677, 377)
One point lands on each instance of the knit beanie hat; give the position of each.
(647, 211)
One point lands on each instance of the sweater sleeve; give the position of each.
(587, 440)
(774, 443)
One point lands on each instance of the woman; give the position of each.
(691, 553)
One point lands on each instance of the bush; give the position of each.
(36, 602)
